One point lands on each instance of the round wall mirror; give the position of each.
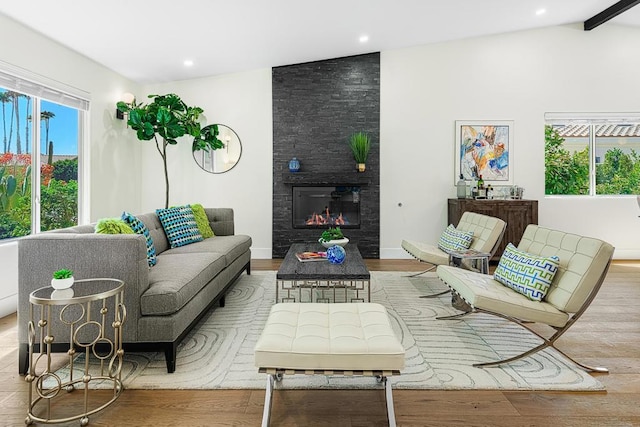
(222, 159)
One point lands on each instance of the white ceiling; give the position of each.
(148, 40)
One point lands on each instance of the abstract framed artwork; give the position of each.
(484, 147)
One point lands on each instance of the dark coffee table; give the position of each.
(322, 281)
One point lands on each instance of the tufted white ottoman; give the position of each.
(328, 339)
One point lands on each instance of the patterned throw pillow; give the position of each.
(179, 225)
(527, 274)
(202, 220)
(113, 226)
(455, 240)
(139, 227)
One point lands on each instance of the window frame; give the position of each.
(592, 120)
(41, 88)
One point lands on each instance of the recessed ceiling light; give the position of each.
(541, 12)
(364, 39)
(188, 63)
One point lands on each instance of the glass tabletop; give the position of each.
(469, 253)
(81, 291)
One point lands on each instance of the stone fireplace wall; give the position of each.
(316, 107)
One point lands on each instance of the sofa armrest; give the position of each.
(89, 255)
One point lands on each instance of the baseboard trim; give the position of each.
(394, 253)
(8, 305)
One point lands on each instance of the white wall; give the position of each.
(9, 280)
(113, 155)
(517, 76)
(241, 101)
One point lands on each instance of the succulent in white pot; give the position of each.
(62, 279)
(333, 236)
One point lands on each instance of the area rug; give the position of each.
(218, 353)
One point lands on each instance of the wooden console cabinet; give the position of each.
(516, 213)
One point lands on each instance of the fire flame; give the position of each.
(325, 219)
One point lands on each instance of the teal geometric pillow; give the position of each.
(455, 240)
(527, 274)
(139, 227)
(179, 225)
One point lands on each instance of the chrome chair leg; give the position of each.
(547, 342)
(266, 413)
(436, 295)
(422, 272)
(391, 415)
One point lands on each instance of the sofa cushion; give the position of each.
(202, 220)
(139, 227)
(528, 274)
(176, 279)
(179, 225)
(455, 240)
(231, 247)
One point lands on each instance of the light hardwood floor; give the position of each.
(607, 335)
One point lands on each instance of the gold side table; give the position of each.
(93, 312)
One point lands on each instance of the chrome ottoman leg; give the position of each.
(266, 414)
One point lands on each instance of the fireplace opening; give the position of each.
(327, 206)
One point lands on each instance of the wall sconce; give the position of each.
(127, 98)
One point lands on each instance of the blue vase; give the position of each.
(336, 254)
(294, 165)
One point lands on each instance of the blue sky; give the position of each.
(63, 128)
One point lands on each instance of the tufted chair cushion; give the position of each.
(582, 261)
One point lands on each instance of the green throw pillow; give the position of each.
(202, 220)
(528, 274)
(113, 226)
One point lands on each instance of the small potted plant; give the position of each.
(333, 236)
(360, 144)
(62, 279)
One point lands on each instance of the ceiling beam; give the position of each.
(608, 13)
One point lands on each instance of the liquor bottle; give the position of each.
(461, 188)
(480, 182)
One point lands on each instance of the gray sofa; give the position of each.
(162, 302)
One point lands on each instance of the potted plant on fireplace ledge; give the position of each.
(360, 144)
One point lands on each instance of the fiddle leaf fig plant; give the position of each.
(165, 119)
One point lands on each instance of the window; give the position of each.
(592, 154)
(44, 151)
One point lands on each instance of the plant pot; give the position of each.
(62, 283)
(335, 242)
(360, 167)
